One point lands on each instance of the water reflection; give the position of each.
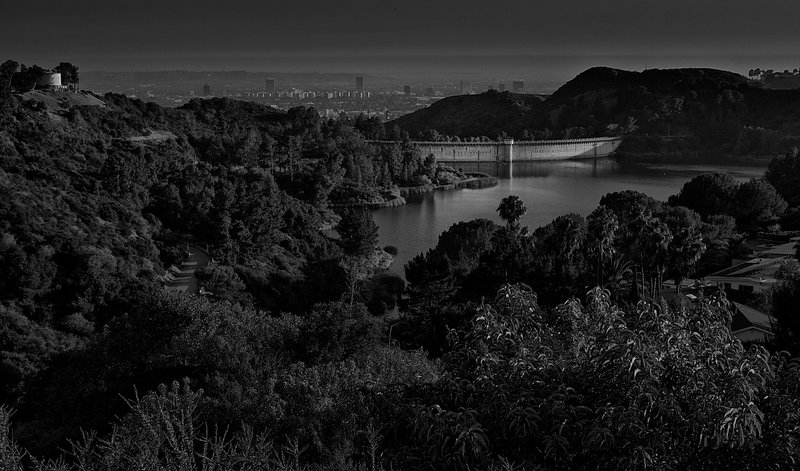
(587, 167)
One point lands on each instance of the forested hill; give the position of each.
(285, 362)
(487, 114)
(96, 202)
(662, 111)
(124, 180)
(668, 81)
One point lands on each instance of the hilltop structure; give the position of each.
(785, 80)
(51, 81)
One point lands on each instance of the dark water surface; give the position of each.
(549, 189)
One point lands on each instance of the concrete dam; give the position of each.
(509, 151)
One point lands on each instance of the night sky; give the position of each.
(528, 39)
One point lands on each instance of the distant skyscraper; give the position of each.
(465, 87)
(206, 90)
(501, 87)
(429, 91)
(518, 86)
(359, 83)
(270, 86)
(406, 90)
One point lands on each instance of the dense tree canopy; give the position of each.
(358, 232)
(784, 174)
(709, 193)
(583, 386)
(757, 205)
(289, 361)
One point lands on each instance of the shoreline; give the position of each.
(397, 200)
(475, 181)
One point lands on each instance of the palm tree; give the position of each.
(511, 209)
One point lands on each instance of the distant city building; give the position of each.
(501, 87)
(206, 90)
(518, 86)
(406, 90)
(465, 87)
(359, 83)
(270, 86)
(429, 91)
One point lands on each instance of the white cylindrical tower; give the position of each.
(50, 80)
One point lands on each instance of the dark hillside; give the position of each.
(98, 200)
(668, 81)
(488, 114)
(672, 111)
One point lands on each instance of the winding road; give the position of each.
(182, 278)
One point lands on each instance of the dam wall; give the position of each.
(455, 152)
(508, 150)
(565, 149)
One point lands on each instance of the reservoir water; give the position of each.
(549, 189)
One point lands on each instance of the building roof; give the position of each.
(745, 317)
(760, 270)
(772, 248)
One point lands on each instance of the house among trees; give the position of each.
(760, 272)
(22, 79)
(750, 276)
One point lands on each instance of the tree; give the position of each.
(291, 153)
(511, 209)
(686, 246)
(11, 455)
(628, 205)
(357, 268)
(668, 107)
(358, 237)
(651, 246)
(559, 261)
(358, 233)
(222, 282)
(784, 174)
(783, 298)
(7, 71)
(757, 205)
(335, 331)
(434, 279)
(628, 127)
(602, 226)
(708, 194)
(69, 73)
(26, 78)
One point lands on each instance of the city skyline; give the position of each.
(515, 40)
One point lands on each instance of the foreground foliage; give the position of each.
(584, 386)
(596, 387)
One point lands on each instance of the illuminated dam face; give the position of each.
(508, 151)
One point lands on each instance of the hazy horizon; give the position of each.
(543, 68)
(414, 39)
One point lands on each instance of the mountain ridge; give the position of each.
(716, 110)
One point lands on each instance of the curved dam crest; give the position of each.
(508, 151)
